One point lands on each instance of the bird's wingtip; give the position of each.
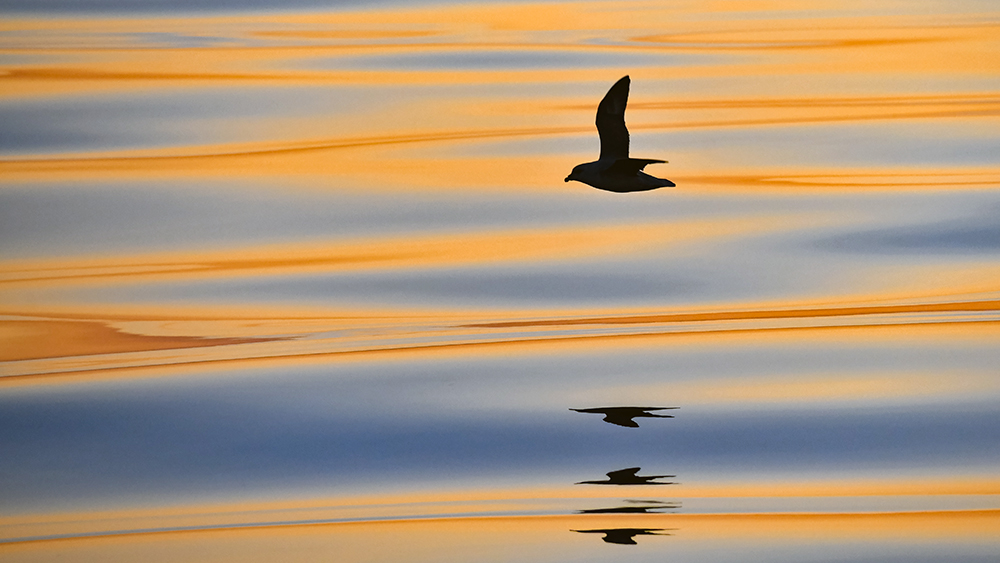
(625, 80)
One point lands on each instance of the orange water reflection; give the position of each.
(408, 252)
(880, 47)
(104, 347)
(545, 538)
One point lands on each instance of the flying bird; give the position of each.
(628, 477)
(614, 171)
(622, 416)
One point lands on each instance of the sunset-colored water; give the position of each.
(307, 284)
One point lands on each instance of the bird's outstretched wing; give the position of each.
(595, 410)
(611, 121)
(629, 166)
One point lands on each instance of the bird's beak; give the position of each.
(567, 179)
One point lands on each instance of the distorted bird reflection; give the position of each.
(629, 476)
(623, 536)
(614, 171)
(637, 507)
(622, 416)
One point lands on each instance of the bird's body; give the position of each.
(602, 174)
(614, 171)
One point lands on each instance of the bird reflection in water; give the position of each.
(623, 536)
(637, 507)
(629, 477)
(622, 416)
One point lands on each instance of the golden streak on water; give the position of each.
(395, 253)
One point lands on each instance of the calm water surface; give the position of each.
(306, 285)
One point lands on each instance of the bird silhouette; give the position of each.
(614, 171)
(628, 477)
(622, 416)
(623, 536)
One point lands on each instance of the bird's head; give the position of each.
(576, 174)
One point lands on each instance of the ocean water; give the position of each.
(307, 284)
